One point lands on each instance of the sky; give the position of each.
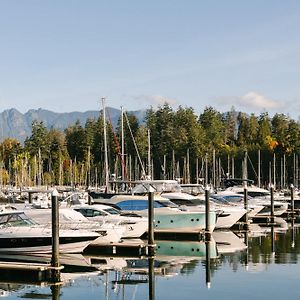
(65, 55)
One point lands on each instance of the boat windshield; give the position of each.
(159, 186)
(15, 219)
(165, 203)
(193, 189)
(189, 202)
(112, 211)
(223, 199)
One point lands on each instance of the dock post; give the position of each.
(272, 203)
(292, 201)
(55, 237)
(151, 245)
(29, 197)
(207, 211)
(246, 205)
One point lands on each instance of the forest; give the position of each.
(170, 144)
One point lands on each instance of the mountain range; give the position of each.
(14, 124)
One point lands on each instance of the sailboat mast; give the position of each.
(105, 147)
(122, 145)
(149, 155)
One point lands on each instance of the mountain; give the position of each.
(14, 124)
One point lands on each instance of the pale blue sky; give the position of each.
(64, 55)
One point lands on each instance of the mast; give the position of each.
(122, 145)
(105, 147)
(149, 155)
(258, 168)
(274, 171)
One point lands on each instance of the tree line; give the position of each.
(170, 144)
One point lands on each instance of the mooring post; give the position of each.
(292, 201)
(55, 237)
(151, 245)
(29, 197)
(246, 204)
(272, 203)
(207, 213)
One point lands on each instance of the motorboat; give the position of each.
(227, 214)
(19, 233)
(72, 219)
(257, 196)
(135, 225)
(168, 217)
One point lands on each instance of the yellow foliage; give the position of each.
(271, 142)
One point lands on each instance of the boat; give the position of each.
(20, 234)
(261, 197)
(72, 219)
(237, 200)
(168, 217)
(227, 214)
(135, 225)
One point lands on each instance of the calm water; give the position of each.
(226, 268)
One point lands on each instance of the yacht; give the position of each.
(168, 217)
(135, 225)
(227, 214)
(20, 234)
(72, 219)
(261, 197)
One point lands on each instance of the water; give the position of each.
(269, 268)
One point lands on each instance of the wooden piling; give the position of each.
(246, 203)
(272, 202)
(55, 237)
(207, 210)
(151, 245)
(292, 200)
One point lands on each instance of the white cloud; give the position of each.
(156, 100)
(252, 101)
(258, 101)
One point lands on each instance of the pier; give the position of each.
(21, 272)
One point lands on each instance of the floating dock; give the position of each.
(135, 248)
(26, 272)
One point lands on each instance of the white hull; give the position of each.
(64, 248)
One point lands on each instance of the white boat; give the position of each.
(135, 226)
(261, 197)
(237, 200)
(71, 219)
(168, 217)
(228, 214)
(18, 233)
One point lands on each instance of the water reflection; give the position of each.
(125, 277)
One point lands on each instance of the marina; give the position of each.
(264, 261)
(201, 262)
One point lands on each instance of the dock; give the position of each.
(125, 248)
(26, 272)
